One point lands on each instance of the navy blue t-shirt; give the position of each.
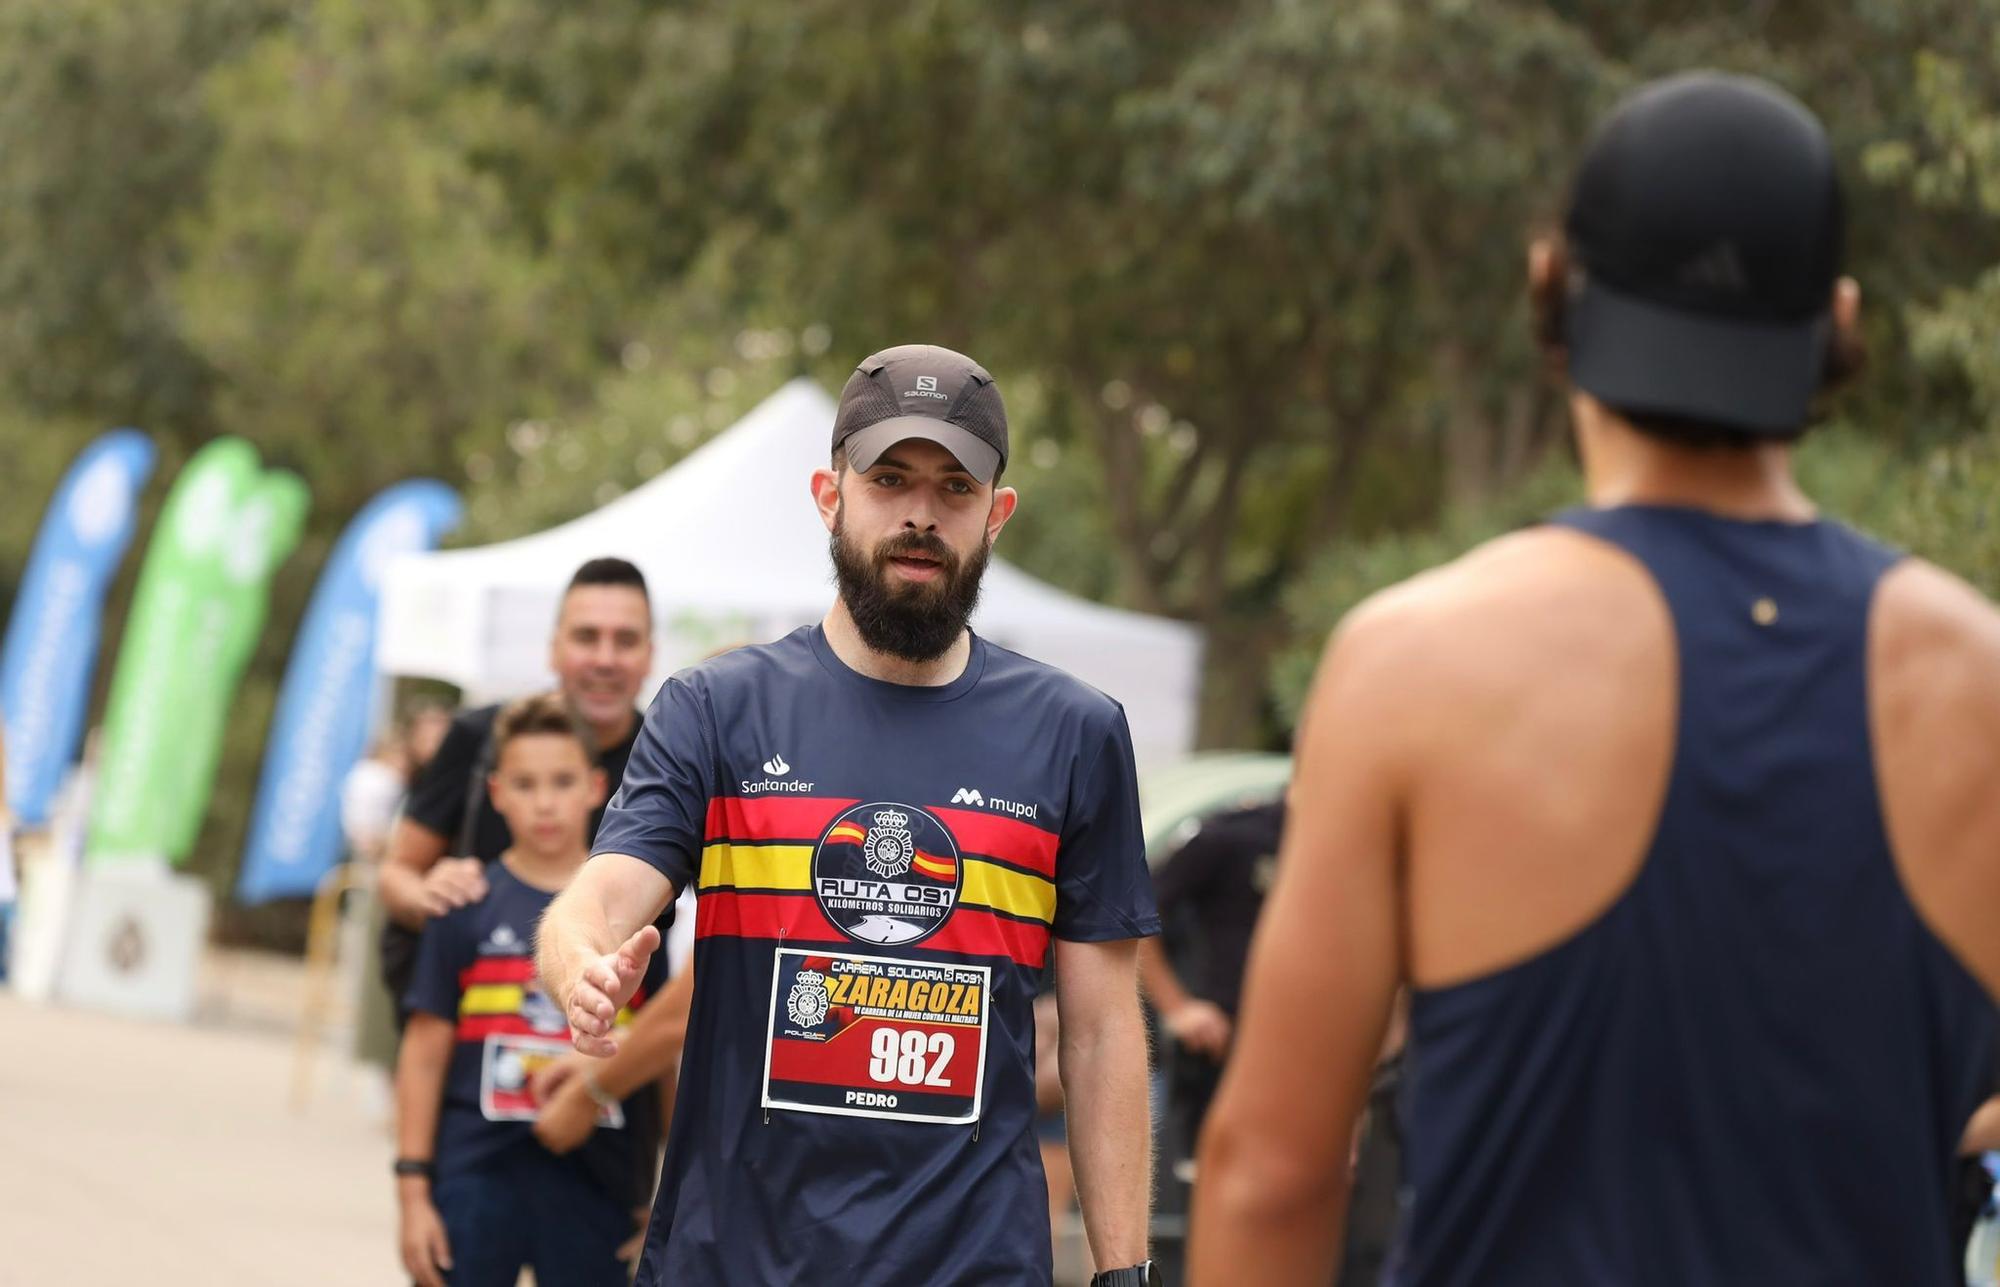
(475, 966)
(880, 868)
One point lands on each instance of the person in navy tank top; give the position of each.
(893, 826)
(1677, 817)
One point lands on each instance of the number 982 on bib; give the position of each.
(870, 1036)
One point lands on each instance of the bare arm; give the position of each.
(1103, 1062)
(1157, 977)
(1197, 1023)
(420, 1072)
(1321, 982)
(594, 942)
(413, 850)
(1982, 1135)
(420, 1069)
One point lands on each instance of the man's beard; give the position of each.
(916, 621)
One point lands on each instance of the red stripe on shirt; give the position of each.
(497, 969)
(792, 817)
(478, 1027)
(1008, 839)
(724, 913)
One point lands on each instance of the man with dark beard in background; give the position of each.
(888, 820)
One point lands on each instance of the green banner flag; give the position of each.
(196, 615)
(268, 526)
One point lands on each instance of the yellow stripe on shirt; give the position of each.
(491, 998)
(755, 866)
(1004, 889)
(789, 867)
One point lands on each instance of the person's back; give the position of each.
(1676, 1015)
(1677, 818)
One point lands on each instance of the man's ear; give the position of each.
(1005, 501)
(1847, 346)
(1847, 304)
(1548, 298)
(826, 495)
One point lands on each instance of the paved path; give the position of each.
(145, 1153)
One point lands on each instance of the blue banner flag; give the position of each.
(51, 646)
(325, 708)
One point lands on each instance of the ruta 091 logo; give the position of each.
(887, 873)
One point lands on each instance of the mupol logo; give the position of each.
(1012, 808)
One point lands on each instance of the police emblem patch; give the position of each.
(806, 1004)
(888, 846)
(887, 873)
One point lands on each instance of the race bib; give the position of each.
(872, 1036)
(506, 1066)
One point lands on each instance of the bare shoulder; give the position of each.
(1934, 704)
(1934, 668)
(1925, 616)
(1534, 595)
(1493, 628)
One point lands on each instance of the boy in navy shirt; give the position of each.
(480, 1198)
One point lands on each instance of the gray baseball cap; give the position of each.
(923, 391)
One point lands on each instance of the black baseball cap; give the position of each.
(923, 391)
(1707, 224)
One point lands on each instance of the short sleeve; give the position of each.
(444, 949)
(660, 811)
(438, 796)
(1103, 890)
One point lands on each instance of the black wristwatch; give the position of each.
(414, 1166)
(1144, 1274)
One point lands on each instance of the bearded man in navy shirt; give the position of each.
(892, 824)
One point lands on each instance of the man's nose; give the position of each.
(922, 514)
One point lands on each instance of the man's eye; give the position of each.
(961, 487)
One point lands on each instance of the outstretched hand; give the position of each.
(603, 989)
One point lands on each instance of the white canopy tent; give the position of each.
(734, 552)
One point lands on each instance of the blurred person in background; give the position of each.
(1675, 814)
(371, 797)
(480, 1198)
(450, 831)
(601, 653)
(1211, 891)
(372, 794)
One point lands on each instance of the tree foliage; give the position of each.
(1249, 272)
